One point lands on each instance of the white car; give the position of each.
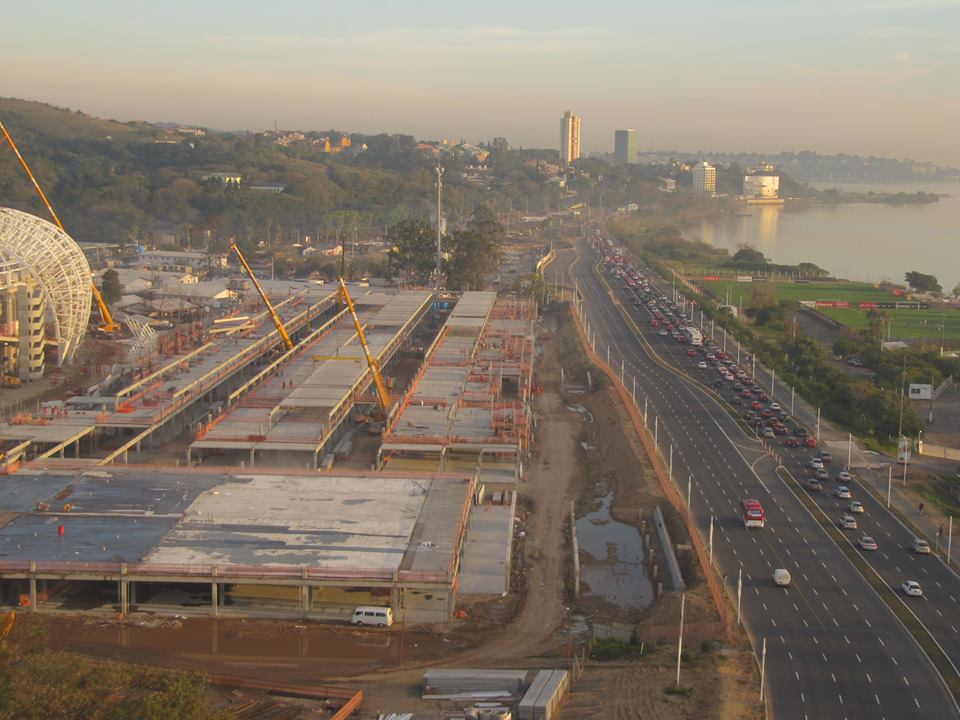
(844, 477)
(848, 522)
(911, 588)
(842, 492)
(815, 464)
(781, 577)
(867, 543)
(855, 507)
(775, 406)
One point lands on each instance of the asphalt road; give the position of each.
(833, 649)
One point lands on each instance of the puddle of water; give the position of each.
(611, 559)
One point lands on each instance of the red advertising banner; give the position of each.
(826, 303)
(868, 305)
(841, 304)
(711, 277)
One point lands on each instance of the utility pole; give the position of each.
(739, 592)
(683, 604)
(436, 277)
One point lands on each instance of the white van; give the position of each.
(372, 615)
(781, 577)
(921, 547)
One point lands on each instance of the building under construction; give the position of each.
(256, 514)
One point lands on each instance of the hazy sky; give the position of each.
(875, 77)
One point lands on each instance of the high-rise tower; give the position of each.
(624, 147)
(569, 138)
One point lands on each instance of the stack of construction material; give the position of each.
(544, 696)
(441, 684)
(481, 712)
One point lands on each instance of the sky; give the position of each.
(869, 77)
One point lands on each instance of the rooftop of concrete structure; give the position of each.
(457, 401)
(377, 522)
(294, 408)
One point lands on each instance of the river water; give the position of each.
(867, 241)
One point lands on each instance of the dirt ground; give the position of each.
(91, 357)
(531, 627)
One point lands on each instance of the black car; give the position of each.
(800, 431)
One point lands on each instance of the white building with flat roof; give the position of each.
(704, 178)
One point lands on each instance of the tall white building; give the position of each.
(705, 178)
(569, 138)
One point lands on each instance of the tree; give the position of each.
(413, 249)
(747, 254)
(475, 251)
(956, 290)
(110, 287)
(922, 282)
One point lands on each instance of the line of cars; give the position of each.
(761, 412)
(817, 467)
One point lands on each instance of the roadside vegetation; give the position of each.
(868, 404)
(42, 684)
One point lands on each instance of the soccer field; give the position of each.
(840, 291)
(905, 324)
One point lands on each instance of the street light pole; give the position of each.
(889, 485)
(739, 592)
(711, 540)
(818, 424)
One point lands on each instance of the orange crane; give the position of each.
(109, 324)
(383, 394)
(284, 335)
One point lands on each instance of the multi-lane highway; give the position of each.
(834, 649)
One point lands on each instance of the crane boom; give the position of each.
(382, 392)
(109, 324)
(287, 342)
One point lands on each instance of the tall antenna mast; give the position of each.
(436, 277)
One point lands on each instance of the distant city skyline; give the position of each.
(867, 77)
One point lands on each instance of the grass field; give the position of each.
(841, 290)
(906, 324)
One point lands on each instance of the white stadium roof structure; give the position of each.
(58, 266)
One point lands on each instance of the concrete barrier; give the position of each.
(673, 567)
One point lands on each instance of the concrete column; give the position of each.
(124, 598)
(76, 449)
(215, 599)
(33, 594)
(252, 451)
(304, 600)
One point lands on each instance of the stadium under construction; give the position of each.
(246, 476)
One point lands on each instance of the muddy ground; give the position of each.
(535, 626)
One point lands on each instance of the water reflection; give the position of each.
(614, 569)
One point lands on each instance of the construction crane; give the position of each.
(284, 335)
(109, 325)
(383, 394)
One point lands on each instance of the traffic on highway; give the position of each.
(833, 647)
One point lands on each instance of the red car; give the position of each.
(691, 352)
(755, 405)
(809, 442)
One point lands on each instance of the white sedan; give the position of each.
(911, 588)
